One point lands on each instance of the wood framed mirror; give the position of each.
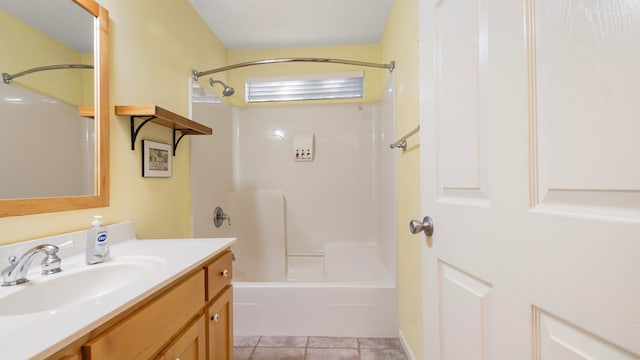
(97, 112)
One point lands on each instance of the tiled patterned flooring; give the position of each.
(316, 348)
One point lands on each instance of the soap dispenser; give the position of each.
(97, 242)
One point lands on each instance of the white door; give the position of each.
(530, 165)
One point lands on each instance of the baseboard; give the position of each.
(405, 346)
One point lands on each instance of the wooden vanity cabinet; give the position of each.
(189, 319)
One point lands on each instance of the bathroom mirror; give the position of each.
(40, 43)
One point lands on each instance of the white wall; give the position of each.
(329, 200)
(211, 171)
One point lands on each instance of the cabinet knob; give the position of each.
(215, 318)
(225, 273)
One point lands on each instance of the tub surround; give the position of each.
(50, 331)
(317, 238)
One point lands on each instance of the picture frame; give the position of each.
(156, 159)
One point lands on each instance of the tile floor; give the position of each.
(316, 348)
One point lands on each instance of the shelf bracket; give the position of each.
(183, 132)
(135, 130)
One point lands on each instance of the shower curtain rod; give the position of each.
(197, 74)
(7, 77)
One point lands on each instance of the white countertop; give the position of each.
(40, 334)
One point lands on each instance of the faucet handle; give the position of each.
(66, 244)
(219, 217)
(12, 259)
(51, 262)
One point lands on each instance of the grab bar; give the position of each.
(402, 142)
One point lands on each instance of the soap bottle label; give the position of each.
(102, 248)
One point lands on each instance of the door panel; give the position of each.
(529, 144)
(584, 94)
(460, 71)
(465, 304)
(557, 339)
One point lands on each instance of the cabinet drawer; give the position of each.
(145, 332)
(219, 274)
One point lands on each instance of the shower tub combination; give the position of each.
(343, 291)
(317, 256)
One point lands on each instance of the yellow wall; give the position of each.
(154, 47)
(42, 50)
(368, 53)
(400, 42)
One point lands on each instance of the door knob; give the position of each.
(426, 225)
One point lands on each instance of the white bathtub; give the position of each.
(352, 296)
(359, 309)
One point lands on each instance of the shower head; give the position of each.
(228, 90)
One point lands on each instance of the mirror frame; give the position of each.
(100, 198)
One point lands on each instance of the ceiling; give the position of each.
(73, 26)
(274, 24)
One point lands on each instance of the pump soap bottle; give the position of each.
(97, 242)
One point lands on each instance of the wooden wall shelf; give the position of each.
(87, 111)
(160, 116)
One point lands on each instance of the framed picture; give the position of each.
(156, 159)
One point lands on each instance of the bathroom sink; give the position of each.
(76, 284)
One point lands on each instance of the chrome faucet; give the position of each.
(16, 273)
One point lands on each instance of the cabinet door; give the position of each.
(190, 345)
(147, 331)
(221, 326)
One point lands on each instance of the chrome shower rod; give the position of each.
(197, 74)
(7, 77)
